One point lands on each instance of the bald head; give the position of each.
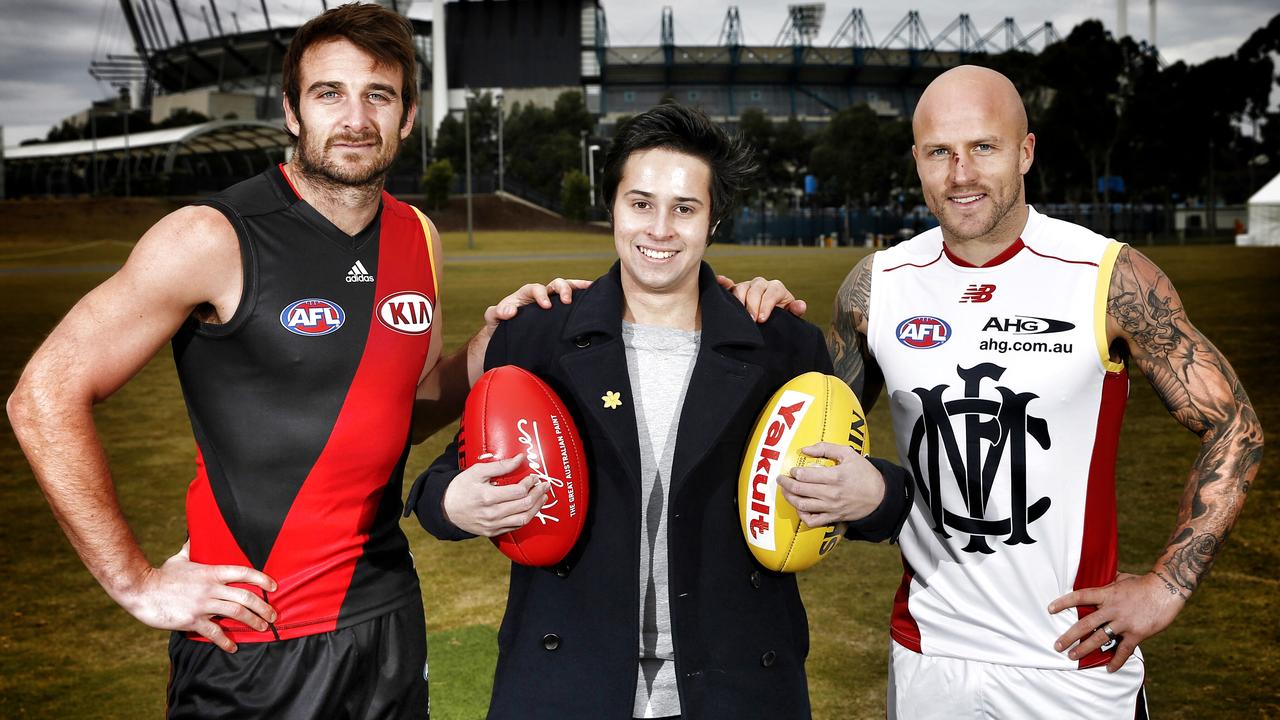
(971, 89)
(972, 150)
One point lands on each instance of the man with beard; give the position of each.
(304, 311)
(1003, 339)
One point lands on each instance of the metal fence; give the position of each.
(1139, 224)
(825, 226)
(1136, 224)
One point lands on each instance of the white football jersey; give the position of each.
(1007, 410)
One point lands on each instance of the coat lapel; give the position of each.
(599, 366)
(595, 371)
(718, 386)
(720, 383)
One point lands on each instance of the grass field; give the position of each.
(67, 651)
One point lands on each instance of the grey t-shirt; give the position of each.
(659, 362)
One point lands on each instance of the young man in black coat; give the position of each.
(659, 610)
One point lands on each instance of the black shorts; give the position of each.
(375, 669)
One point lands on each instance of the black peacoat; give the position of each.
(569, 642)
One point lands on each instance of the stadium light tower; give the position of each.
(802, 25)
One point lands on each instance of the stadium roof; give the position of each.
(214, 136)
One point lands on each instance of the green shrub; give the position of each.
(575, 195)
(435, 183)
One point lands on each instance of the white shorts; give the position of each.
(924, 686)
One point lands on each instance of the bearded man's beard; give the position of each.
(324, 165)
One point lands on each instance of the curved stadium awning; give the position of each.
(219, 151)
(213, 136)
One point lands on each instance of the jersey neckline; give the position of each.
(1005, 255)
(350, 243)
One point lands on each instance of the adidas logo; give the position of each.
(357, 273)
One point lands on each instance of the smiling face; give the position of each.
(661, 222)
(971, 150)
(349, 115)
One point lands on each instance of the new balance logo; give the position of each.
(978, 293)
(357, 273)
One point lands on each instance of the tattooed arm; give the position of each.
(1201, 391)
(847, 337)
(874, 498)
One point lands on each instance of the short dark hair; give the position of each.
(386, 35)
(686, 130)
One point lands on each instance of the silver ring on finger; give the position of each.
(1111, 634)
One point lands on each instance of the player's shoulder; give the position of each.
(262, 194)
(919, 251)
(398, 207)
(1048, 235)
(192, 228)
(187, 244)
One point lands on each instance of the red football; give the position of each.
(510, 411)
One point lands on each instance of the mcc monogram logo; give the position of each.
(992, 432)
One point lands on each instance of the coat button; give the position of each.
(755, 578)
(551, 641)
(582, 341)
(768, 658)
(562, 570)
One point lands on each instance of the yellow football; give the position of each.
(808, 409)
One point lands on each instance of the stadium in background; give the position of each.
(194, 58)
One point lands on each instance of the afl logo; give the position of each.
(312, 316)
(923, 332)
(406, 312)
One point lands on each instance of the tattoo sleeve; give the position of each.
(847, 337)
(1198, 386)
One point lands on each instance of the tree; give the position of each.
(1087, 73)
(782, 150)
(575, 195)
(756, 130)
(436, 183)
(182, 117)
(451, 143)
(789, 155)
(860, 158)
(542, 144)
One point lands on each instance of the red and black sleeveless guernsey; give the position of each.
(301, 405)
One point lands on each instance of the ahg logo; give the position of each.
(1002, 429)
(1025, 325)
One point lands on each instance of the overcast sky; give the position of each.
(46, 45)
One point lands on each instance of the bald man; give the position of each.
(1003, 338)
